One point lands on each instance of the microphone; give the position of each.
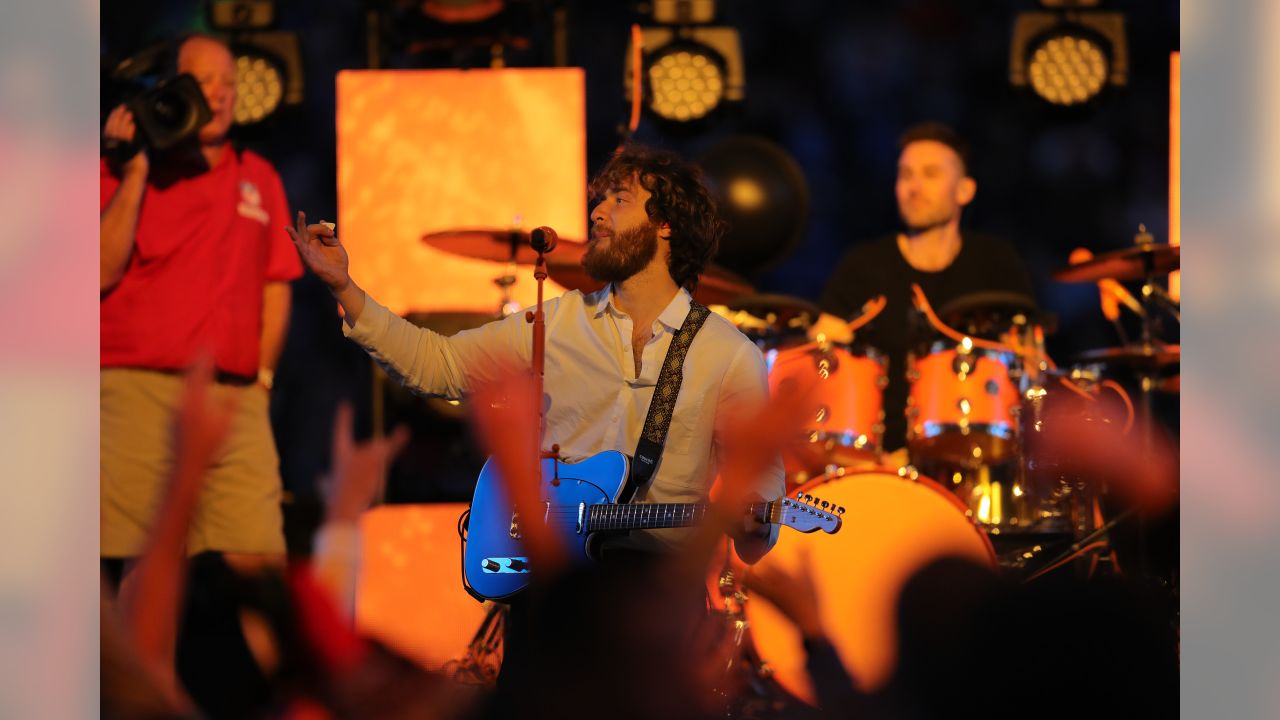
(1110, 293)
(543, 239)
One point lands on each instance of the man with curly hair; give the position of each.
(654, 226)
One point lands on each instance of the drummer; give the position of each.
(933, 187)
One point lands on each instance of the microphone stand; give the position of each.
(538, 320)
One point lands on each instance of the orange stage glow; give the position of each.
(409, 594)
(426, 150)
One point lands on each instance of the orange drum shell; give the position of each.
(891, 528)
(848, 421)
(947, 417)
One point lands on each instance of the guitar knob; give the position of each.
(517, 565)
(491, 565)
(825, 504)
(840, 511)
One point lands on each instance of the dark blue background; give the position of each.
(832, 82)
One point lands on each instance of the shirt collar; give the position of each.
(673, 316)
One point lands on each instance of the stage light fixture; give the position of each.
(686, 83)
(241, 14)
(268, 75)
(259, 88)
(688, 72)
(1068, 58)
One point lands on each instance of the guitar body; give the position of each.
(494, 562)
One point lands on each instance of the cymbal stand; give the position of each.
(1153, 297)
(507, 279)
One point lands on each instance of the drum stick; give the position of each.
(922, 304)
(869, 312)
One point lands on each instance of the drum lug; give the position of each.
(823, 413)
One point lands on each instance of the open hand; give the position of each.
(358, 468)
(320, 250)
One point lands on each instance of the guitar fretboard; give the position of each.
(645, 516)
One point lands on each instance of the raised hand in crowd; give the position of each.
(357, 469)
(355, 481)
(151, 595)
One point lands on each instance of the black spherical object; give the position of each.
(763, 196)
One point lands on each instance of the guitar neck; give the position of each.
(647, 516)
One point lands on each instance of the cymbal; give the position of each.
(1140, 356)
(992, 301)
(496, 245)
(783, 307)
(716, 286)
(1126, 264)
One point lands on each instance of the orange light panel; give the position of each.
(409, 594)
(421, 151)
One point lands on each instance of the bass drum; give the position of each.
(893, 526)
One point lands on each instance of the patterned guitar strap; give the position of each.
(663, 405)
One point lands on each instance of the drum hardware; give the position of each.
(1145, 261)
(483, 659)
(1095, 541)
(509, 246)
(716, 285)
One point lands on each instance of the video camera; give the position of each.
(168, 110)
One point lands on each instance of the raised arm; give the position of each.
(424, 361)
(119, 219)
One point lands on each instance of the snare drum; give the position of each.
(848, 420)
(892, 527)
(963, 404)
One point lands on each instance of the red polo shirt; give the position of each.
(204, 248)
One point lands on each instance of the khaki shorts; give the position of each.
(239, 508)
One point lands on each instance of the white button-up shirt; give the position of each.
(594, 400)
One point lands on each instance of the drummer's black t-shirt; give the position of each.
(868, 269)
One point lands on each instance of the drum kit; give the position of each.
(976, 479)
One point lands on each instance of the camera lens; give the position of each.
(172, 110)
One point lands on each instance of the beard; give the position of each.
(628, 253)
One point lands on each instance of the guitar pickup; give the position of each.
(505, 565)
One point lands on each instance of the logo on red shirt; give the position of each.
(251, 203)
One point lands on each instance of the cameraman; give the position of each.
(195, 260)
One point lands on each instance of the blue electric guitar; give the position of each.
(580, 499)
